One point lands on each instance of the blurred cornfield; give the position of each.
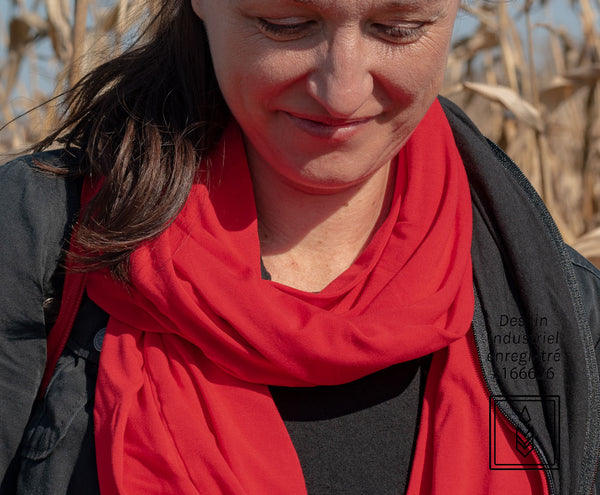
(530, 86)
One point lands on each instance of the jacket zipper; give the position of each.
(505, 411)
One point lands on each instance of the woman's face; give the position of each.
(327, 91)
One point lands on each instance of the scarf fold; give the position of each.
(182, 400)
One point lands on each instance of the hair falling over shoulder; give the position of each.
(141, 123)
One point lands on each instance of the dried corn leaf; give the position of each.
(24, 29)
(589, 245)
(563, 87)
(107, 20)
(79, 40)
(123, 16)
(520, 108)
(60, 28)
(558, 91)
(559, 32)
(12, 70)
(467, 48)
(485, 14)
(508, 53)
(589, 74)
(20, 34)
(123, 19)
(588, 22)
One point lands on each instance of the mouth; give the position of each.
(325, 127)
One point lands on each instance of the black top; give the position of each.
(358, 437)
(352, 438)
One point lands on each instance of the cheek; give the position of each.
(235, 59)
(275, 71)
(423, 71)
(257, 78)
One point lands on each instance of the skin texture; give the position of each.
(326, 93)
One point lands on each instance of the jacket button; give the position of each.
(99, 339)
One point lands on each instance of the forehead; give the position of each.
(356, 4)
(345, 6)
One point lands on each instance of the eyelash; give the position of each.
(283, 30)
(399, 34)
(393, 34)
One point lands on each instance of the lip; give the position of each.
(325, 127)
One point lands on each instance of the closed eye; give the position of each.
(400, 33)
(283, 29)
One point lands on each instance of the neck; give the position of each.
(307, 240)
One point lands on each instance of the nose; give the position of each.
(342, 81)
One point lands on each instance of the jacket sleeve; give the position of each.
(33, 224)
(588, 279)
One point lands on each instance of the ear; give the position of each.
(197, 7)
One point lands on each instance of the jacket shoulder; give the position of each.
(37, 210)
(24, 182)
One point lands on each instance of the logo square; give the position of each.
(523, 447)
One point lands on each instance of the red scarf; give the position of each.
(182, 399)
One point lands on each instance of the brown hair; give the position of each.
(141, 123)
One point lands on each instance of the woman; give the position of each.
(304, 271)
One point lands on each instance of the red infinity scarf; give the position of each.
(182, 400)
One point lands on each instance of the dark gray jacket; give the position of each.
(536, 325)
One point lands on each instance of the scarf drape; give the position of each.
(182, 399)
